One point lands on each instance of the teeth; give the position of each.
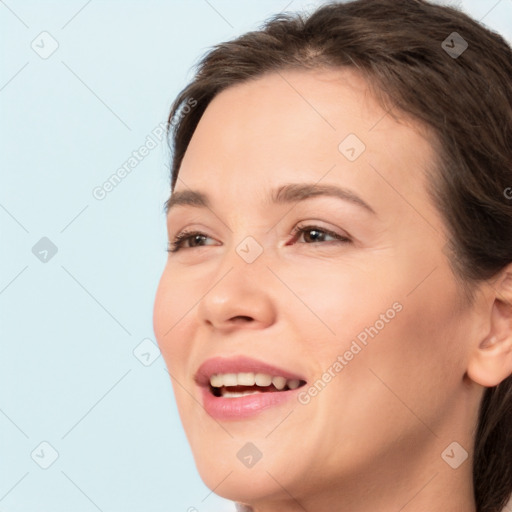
(230, 379)
(235, 394)
(262, 379)
(279, 382)
(293, 384)
(246, 379)
(216, 381)
(250, 379)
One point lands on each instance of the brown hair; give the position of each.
(410, 57)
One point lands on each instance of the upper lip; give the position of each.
(239, 364)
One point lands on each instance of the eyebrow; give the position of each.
(287, 193)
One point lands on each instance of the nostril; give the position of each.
(242, 318)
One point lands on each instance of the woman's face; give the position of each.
(369, 317)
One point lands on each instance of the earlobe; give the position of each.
(491, 360)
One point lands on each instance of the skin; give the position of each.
(373, 437)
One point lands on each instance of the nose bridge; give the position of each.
(248, 250)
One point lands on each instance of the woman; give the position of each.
(336, 309)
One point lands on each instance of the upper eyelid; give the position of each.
(299, 224)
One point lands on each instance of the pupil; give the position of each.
(314, 231)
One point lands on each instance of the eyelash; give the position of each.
(177, 243)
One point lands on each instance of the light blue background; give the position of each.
(68, 374)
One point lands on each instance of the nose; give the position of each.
(239, 296)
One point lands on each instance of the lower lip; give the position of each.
(244, 406)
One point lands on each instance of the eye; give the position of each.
(183, 237)
(193, 237)
(317, 234)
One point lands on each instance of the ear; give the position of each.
(491, 361)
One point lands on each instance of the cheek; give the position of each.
(416, 360)
(171, 325)
(413, 341)
(335, 304)
(331, 289)
(170, 315)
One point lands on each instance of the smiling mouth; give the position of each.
(234, 385)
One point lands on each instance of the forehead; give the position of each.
(292, 112)
(295, 125)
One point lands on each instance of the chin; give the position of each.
(249, 467)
